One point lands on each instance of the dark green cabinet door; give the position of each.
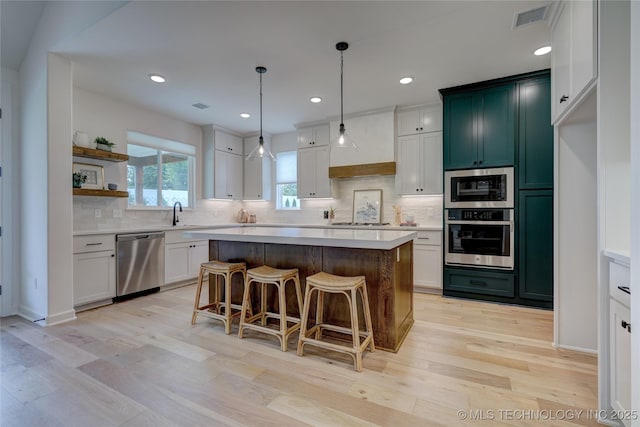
(535, 142)
(496, 126)
(535, 245)
(460, 150)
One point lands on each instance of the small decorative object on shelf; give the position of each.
(103, 144)
(111, 186)
(78, 179)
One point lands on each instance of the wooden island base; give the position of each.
(389, 275)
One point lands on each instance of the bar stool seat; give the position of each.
(278, 277)
(350, 287)
(224, 270)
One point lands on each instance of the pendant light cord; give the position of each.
(341, 88)
(261, 107)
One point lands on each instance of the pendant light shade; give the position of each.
(343, 139)
(260, 150)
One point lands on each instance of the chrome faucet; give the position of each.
(175, 218)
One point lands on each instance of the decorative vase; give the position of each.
(103, 147)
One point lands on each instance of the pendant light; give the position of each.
(260, 150)
(342, 140)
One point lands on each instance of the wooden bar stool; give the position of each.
(224, 270)
(348, 286)
(278, 277)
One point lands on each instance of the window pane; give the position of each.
(286, 167)
(175, 179)
(287, 196)
(150, 185)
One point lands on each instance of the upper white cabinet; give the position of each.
(419, 164)
(426, 119)
(313, 136)
(574, 54)
(257, 172)
(313, 173)
(222, 164)
(228, 176)
(228, 142)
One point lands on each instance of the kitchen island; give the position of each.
(384, 257)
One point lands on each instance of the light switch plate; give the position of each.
(98, 213)
(117, 213)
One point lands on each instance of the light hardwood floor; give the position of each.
(141, 363)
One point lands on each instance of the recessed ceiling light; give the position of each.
(542, 50)
(157, 78)
(316, 99)
(245, 115)
(406, 80)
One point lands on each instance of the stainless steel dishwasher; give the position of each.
(139, 262)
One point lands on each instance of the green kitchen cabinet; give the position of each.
(479, 127)
(535, 245)
(535, 134)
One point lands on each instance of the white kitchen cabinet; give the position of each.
(313, 136)
(419, 164)
(313, 173)
(94, 268)
(427, 261)
(227, 142)
(257, 172)
(228, 175)
(574, 54)
(426, 119)
(222, 176)
(620, 359)
(182, 260)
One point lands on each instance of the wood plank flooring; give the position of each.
(142, 363)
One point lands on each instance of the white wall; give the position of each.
(10, 195)
(100, 115)
(576, 288)
(58, 22)
(635, 204)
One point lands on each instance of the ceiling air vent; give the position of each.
(529, 17)
(200, 106)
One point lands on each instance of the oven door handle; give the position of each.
(458, 222)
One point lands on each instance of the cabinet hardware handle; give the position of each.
(421, 128)
(626, 325)
(479, 162)
(563, 98)
(417, 129)
(113, 255)
(477, 283)
(94, 244)
(625, 289)
(475, 162)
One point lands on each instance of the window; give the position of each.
(286, 176)
(160, 171)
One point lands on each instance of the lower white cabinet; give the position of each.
(427, 261)
(620, 359)
(94, 268)
(182, 260)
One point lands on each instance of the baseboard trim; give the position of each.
(574, 348)
(29, 314)
(58, 318)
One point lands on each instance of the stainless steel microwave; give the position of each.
(479, 188)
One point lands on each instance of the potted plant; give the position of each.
(103, 144)
(78, 179)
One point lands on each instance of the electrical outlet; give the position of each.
(98, 213)
(117, 213)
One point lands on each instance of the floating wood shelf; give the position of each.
(92, 153)
(99, 193)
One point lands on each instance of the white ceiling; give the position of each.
(208, 52)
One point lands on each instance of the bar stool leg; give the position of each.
(304, 318)
(367, 316)
(245, 303)
(227, 303)
(319, 312)
(197, 303)
(353, 301)
(282, 297)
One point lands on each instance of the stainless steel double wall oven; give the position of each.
(479, 218)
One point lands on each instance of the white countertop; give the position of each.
(623, 257)
(145, 229)
(333, 237)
